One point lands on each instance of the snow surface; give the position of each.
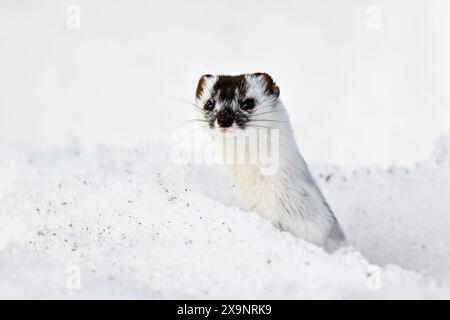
(137, 226)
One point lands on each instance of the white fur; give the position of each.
(290, 198)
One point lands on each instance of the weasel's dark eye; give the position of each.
(209, 105)
(248, 104)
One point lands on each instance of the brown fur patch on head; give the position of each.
(226, 87)
(271, 86)
(200, 84)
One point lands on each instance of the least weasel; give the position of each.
(289, 198)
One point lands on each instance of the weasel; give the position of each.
(289, 198)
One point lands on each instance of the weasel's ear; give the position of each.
(271, 86)
(200, 85)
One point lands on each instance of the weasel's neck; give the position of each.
(282, 157)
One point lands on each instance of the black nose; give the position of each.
(225, 118)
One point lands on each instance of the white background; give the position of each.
(356, 95)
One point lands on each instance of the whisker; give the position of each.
(196, 107)
(194, 120)
(268, 120)
(191, 132)
(265, 112)
(185, 123)
(257, 126)
(265, 107)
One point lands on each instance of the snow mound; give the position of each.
(126, 223)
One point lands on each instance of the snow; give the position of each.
(114, 222)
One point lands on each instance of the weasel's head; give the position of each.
(237, 102)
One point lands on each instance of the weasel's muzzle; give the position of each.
(225, 117)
